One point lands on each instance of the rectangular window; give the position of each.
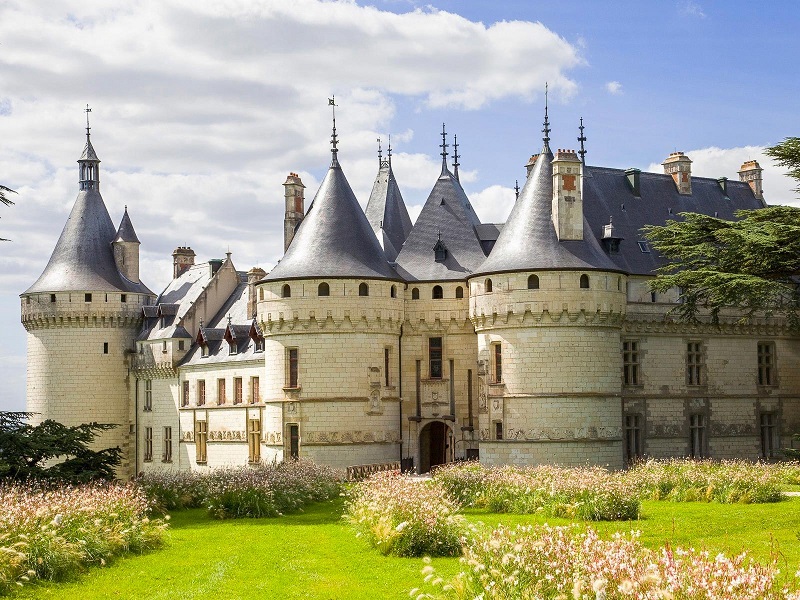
(87, 297)
(497, 363)
(185, 396)
(52, 297)
(181, 345)
(201, 440)
(201, 392)
(166, 455)
(204, 351)
(694, 363)
(105, 347)
(386, 358)
(498, 430)
(293, 368)
(123, 298)
(232, 348)
(633, 437)
(769, 435)
(220, 391)
(630, 362)
(697, 436)
(294, 441)
(766, 363)
(254, 440)
(148, 444)
(237, 390)
(435, 357)
(148, 395)
(255, 390)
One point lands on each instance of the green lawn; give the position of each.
(315, 555)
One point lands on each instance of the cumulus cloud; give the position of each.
(614, 87)
(692, 9)
(493, 204)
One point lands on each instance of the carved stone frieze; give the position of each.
(333, 438)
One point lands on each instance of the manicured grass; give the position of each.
(315, 555)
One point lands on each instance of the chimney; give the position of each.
(680, 167)
(530, 164)
(567, 195)
(634, 176)
(254, 275)
(182, 259)
(295, 209)
(215, 264)
(750, 172)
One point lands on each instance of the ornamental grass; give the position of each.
(263, 490)
(55, 532)
(727, 481)
(586, 493)
(404, 516)
(543, 562)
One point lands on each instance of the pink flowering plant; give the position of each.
(406, 517)
(586, 493)
(53, 532)
(543, 562)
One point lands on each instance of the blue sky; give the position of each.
(201, 109)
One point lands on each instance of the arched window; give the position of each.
(324, 289)
(261, 294)
(585, 281)
(393, 292)
(459, 292)
(363, 289)
(286, 291)
(415, 294)
(533, 282)
(437, 293)
(488, 285)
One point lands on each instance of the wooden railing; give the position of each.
(358, 472)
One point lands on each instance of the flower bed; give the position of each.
(406, 517)
(727, 481)
(587, 493)
(54, 532)
(542, 562)
(265, 490)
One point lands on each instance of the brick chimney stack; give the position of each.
(750, 172)
(568, 195)
(680, 167)
(295, 209)
(182, 259)
(254, 275)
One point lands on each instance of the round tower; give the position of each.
(330, 312)
(548, 305)
(82, 316)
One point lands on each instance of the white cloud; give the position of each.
(692, 9)
(493, 204)
(726, 162)
(614, 87)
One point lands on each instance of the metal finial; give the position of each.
(444, 146)
(439, 235)
(87, 110)
(582, 139)
(229, 319)
(334, 139)
(456, 164)
(516, 187)
(380, 154)
(546, 129)
(389, 151)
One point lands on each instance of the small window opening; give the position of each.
(52, 297)
(585, 281)
(393, 292)
(533, 282)
(488, 285)
(123, 298)
(363, 289)
(181, 345)
(459, 292)
(324, 289)
(415, 293)
(437, 293)
(261, 294)
(87, 297)
(644, 246)
(286, 291)
(105, 347)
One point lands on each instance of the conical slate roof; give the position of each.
(387, 213)
(126, 233)
(334, 239)
(88, 151)
(528, 241)
(83, 258)
(447, 215)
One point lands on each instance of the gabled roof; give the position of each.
(83, 258)
(528, 240)
(446, 213)
(334, 239)
(387, 213)
(126, 233)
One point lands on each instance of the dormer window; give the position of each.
(644, 246)
(440, 250)
(260, 345)
(232, 348)
(204, 351)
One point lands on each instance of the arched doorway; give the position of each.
(434, 445)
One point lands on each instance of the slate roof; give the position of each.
(83, 258)
(528, 240)
(334, 239)
(387, 213)
(125, 232)
(186, 288)
(447, 211)
(88, 151)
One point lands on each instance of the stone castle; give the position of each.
(375, 341)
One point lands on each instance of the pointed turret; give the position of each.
(126, 249)
(386, 211)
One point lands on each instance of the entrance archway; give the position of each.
(433, 445)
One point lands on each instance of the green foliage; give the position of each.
(749, 264)
(787, 154)
(29, 451)
(5, 200)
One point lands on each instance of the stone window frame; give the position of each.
(633, 424)
(292, 368)
(201, 442)
(415, 293)
(437, 292)
(583, 282)
(695, 363)
(185, 393)
(166, 453)
(238, 390)
(201, 392)
(387, 362)
(221, 392)
(286, 291)
(698, 435)
(497, 430)
(432, 361)
(631, 363)
(253, 440)
(767, 372)
(769, 434)
(255, 389)
(323, 290)
(496, 361)
(147, 452)
(148, 396)
(534, 282)
(459, 292)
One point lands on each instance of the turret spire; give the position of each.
(389, 151)
(456, 164)
(89, 164)
(582, 139)
(380, 154)
(516, 188)
(444, 146)
(546, 129)
(87, 110)
(334, 140)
